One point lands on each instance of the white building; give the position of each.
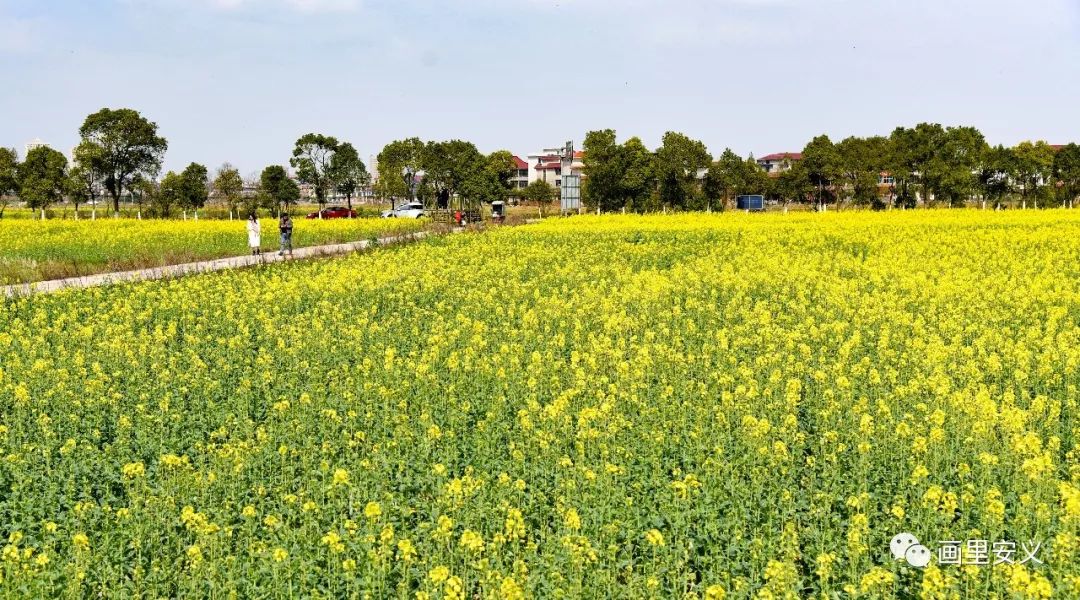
(35, 143)
(547, 166)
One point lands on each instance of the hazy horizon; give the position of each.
(240, 80)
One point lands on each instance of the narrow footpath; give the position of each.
(234, 262)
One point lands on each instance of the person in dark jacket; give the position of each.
(285, 226)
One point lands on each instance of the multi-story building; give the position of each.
(547, 166)
(35, 143)
(776, 163)
(521, 174)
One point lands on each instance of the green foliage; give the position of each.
(395, 157)
(540, 191)
(276, 190)
(9, 181)
(169, 194)
(348, 172)
(127, 144)
(195, 189)
(229, 186)
(1067, 174)
(312, 157)
(42, 177)
(678, 161)
(1032, 169)
(730, 176)
(823, 168)
(860, 164)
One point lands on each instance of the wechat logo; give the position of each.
(905, 546)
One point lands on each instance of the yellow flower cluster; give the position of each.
(692, 406)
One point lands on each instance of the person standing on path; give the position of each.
(285, 227)
(254, 231)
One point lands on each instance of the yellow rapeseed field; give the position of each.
(731, 406)
(34, 250)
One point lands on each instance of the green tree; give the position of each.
(229, 187)
(1032, 169)
(604, 169)
(42, 178)
(143, 191)
(912, 156)
(169, 193)
(860, 164)
(793, 184)
(312, 156)
(196, 189)
(9, 180)
(678, 161)
(722, 179)
(127, 145)
(823, 166)
(394, 158)
(84, 180)
(276, 190)
(540, 192)
(953, 172)
(449, 166)
(348, 172)
(637, 185)
(1067, 174)
(994, 178)
(491, 181)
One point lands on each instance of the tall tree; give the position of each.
(127, 145)
(638, 182)
(84, 179)
(1067, 174)
(911, 157)
(1033, 164)
(9, 181)
(491, 181)
(196, 189)
(145, 190)
(453, 167)
(169, 194)
(276, 189)
(229, 187)
(394, 158)
(604, 168)
(994, 179)
(348, 171)
(861, 162)
(312, 156)
(42, 178)
(678, 161)
(723, 177)
(822, 163)
(793, 184)
(953, 173)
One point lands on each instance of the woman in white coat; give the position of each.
(254, 234)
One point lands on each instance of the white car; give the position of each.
(412, 210)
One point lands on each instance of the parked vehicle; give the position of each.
(334, 212)
(410, 210)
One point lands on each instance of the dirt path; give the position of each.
(235, 262)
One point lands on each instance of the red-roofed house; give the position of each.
(780, 161)
(521, 173)
(547, 166)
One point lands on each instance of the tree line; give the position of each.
(926, 164)
(121, 152)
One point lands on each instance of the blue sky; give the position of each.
(240, 80)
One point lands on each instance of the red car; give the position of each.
(334, 212)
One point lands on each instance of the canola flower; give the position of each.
(692, 406)
(33, 250)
